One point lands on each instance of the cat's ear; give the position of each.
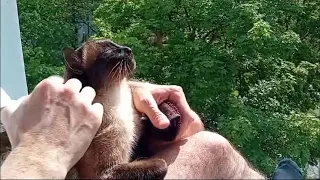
(72, 61)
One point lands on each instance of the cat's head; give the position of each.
(99, 63)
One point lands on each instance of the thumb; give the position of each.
(149, 106)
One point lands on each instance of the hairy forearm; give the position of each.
(26, 163)
(211, 154)
(237, 167)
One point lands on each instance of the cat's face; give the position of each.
(99, 62)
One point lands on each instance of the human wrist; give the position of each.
(34, 162)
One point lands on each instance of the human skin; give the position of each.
(213, 155)
(146, 98)
(50, 129)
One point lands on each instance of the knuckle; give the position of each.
(95, 120)
(156, 116)
(96, 123)
(46, 85)
(84, 107)
(49, 84)
(176, 88)
(176, 91)
(68, 91)
(146, 101)
(94, 116)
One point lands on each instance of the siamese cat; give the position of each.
(107, 67)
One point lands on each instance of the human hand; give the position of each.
(147, 97)
(57, 118)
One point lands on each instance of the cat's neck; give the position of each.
(113, 94)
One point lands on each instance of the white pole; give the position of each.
(13, 77)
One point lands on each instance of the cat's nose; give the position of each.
(126, 50)
(117, 46)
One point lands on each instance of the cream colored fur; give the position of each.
(120, 128)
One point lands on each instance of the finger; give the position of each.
(150, 108)
(52, 81)
(73, 84)
(177, 96)
(97, 109)
(46, 88)
(88, 94)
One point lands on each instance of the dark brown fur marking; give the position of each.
(96, 64)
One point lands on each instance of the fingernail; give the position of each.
(164, 123)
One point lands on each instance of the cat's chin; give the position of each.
(120, 72)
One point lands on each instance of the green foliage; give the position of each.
(252, 67)
(47, 26)
(265, 138)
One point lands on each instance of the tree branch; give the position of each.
(88, 24)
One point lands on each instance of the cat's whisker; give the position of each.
(113, 74)
(125, 67)
(113, 69)
(116, 73)
(120, 72)
(128, 68)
